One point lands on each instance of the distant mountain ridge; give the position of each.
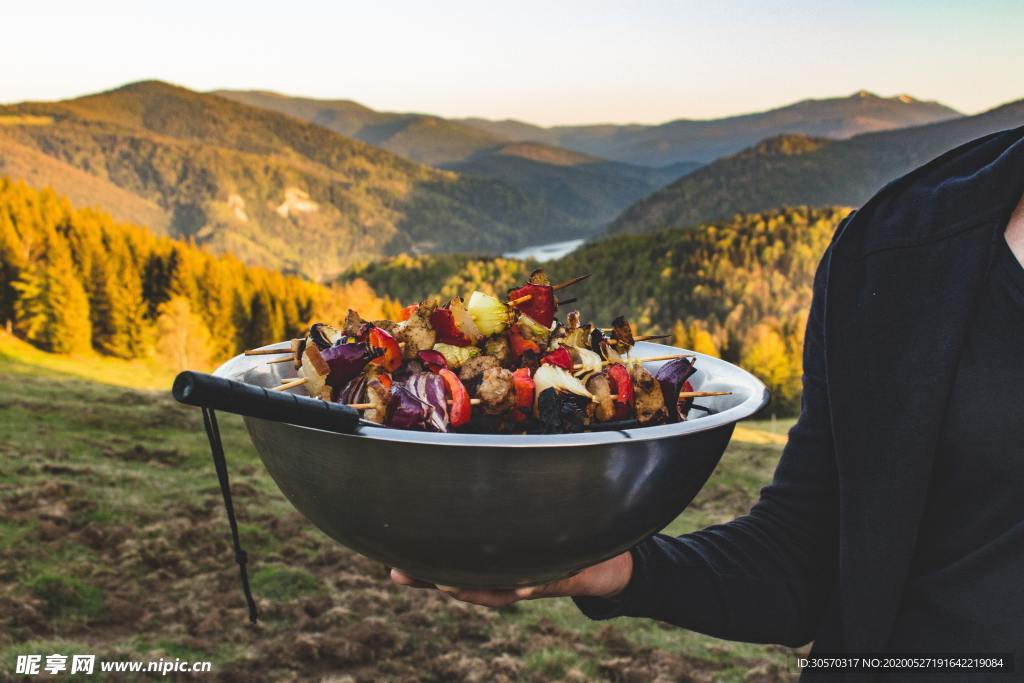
(588, 188)
(271, 189)
(794, 170)
(706, 140)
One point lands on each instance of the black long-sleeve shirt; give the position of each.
(881, 528)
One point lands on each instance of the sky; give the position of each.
(545, 62)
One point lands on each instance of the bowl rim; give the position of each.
(758, 397)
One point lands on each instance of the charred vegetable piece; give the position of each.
(456, 356)
(433, 360)
(560, 413)
(548, 376)
(622, 386)
(623, 334)
(522, 384)
(490, 315)
(443, 322)
(597, 342)
(603, 407)
(345, 361)
(298, 346)
(323, 336)
(461, 410)
(390, 352)
(687, 403)
(560, 357)
(496, 391)
(541, 304)
(672, 376)
(519, 344)
(533, 330)
(648, 400)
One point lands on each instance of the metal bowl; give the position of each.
(493, 511)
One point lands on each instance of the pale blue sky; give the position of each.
(547, 62)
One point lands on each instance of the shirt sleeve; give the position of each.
(764, 577)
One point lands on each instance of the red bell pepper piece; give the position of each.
(524, 388)
(560, 357)
(443, 322)
(540, 306)
(385, 379)
(520, 344)
(392, 356)
(460, 409)
(407, 312)
(622, 384)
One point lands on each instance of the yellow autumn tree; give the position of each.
(183, 340)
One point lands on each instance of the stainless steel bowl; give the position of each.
(481, 510)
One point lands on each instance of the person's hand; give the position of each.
(604, 580)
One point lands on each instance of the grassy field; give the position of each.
(113, 542)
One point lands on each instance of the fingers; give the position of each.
(492, 598)
(403, 579)
(555, 589)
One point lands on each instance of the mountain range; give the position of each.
(267, 187)
(706, 140)
(591, 189)
(797, 170)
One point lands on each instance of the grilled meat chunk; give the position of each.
(648, 399)
(417, 334)
(474, 368)
(496, 392)
(353, 324)
(499, 348)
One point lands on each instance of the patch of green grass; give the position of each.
(283, 583)
(67, 596)
(555, 662)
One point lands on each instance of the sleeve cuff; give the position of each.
(600, 609)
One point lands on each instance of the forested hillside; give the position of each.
(792, 170)
(266, 187)
(739, 289)
(72, 281)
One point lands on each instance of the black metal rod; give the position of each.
(218, 393)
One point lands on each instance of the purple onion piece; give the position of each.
(671, 376)
(429, 388)
(405, 410)
(354, 391)
(407, 370)
(433, 360)
(345, 362)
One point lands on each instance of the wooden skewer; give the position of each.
(281, 360)
(365, 407)
(298, 381)
(266, 352)
(649, 359)
(567, 301)
(643, 337)
(520, 300)
(569, 283)
(695, 394)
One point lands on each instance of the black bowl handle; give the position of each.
(218, 393)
